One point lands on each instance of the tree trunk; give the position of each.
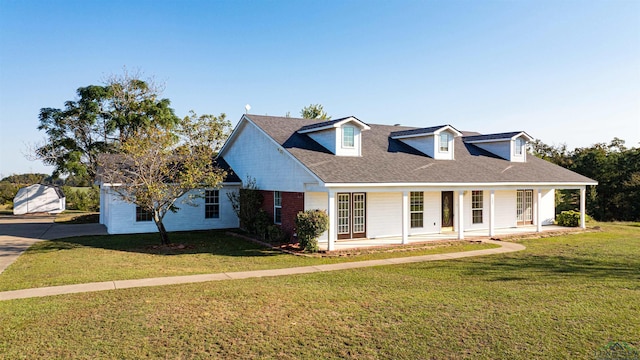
(164, 236)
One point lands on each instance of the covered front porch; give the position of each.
(386, 216)
(341, 245)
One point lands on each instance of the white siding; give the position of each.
(501, 148)
(120, 217)
(423, 144)
(505, 209)
(317, 200)
(548, 207)
(384, 214)
(254, 154)
(326, 138)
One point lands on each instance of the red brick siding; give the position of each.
(292, 203)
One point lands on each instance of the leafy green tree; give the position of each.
(97, 122)
(613, 165)
(314, 111)
(158, 165)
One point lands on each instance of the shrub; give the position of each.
(570, 218)
(261, 224)
(246, 204)
(83, 199)
(310, 225)
(276, 235)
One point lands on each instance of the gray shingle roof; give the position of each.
(500, 136)
(231, 177)
(385, 160)
(320, 124)
(427, 130)
(317, 125)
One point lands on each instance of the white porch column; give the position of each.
(583, 207)
(460, 214)
(539, 211)
(405, 217)
(492, 213)
(332, 234)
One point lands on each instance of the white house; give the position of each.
(381, 181)
(374, 181)
(213, 210)
(39, 198)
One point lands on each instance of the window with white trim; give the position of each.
(143, 214)
(444, 139)
(348, 136)
(519, 146)
(476, 206)
(211, 204)
(417, 209)
(277, 207)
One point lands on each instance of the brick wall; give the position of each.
(292, 203)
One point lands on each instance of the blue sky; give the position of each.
(564, 71)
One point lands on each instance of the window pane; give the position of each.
(343, 213)
(277, 215)
(417, 209)
(211, 204)
(143, 214)
(444, 142)
(358, 213)
(347, 136)
(277, 207)
(477, 206)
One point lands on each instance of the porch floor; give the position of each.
(397, 240)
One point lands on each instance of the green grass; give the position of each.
(562, 298)
(77, 217)
(120, 257)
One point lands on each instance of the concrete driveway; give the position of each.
(18, 233)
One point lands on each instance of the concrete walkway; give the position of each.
(505, 247)
(18, 233)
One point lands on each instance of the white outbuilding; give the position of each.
(39, 198)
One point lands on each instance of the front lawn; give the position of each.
(562, 298)
(121, 257)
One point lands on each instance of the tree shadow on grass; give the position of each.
(215, 242)
(548, 266)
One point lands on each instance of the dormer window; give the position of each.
(342, 137)
(519, 146)
(348, 137)
(509, 146)
(445, 137)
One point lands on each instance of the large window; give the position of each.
(444, 141)
(211, 204)
(519, 146)
(476, 206)
(277, 207)
(143, 214)
(348, 136)
(417, 209)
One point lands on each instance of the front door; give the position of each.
(447, 209)
(524, 207)
(352, 215)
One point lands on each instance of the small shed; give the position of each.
(39, 198)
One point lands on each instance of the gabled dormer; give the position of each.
(343, 137)
(436, 141)
(510, 146)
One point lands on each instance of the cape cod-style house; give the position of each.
(379, 181)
